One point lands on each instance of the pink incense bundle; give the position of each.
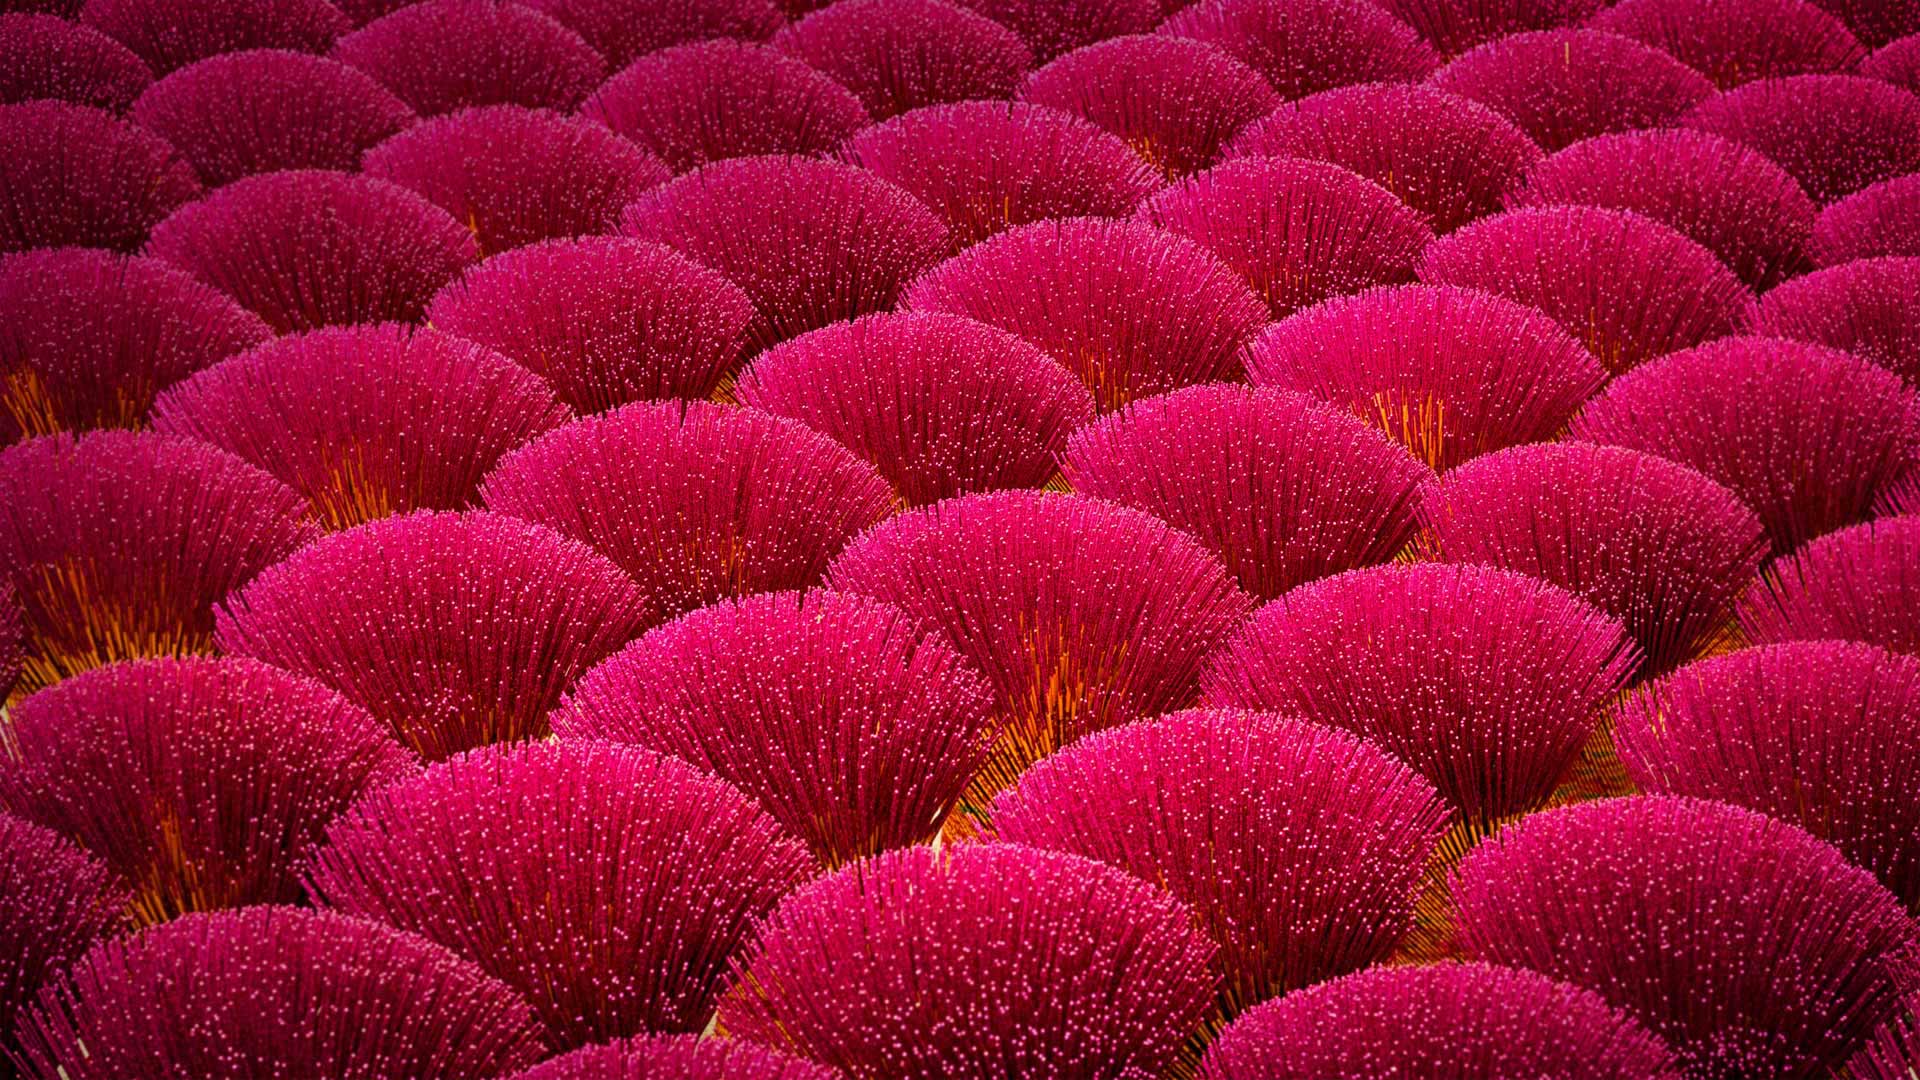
(1561, 86)
(694, 501)
(453, 629)
(811, 242)
(1655, 544)
(203, 783)
(1299, 848)
(1300, 231)
(45, 56)
(119, 544)
(88, 338)
(440, 56)
(1131, 309)
(604, 320)
(625, 30)
(1857, 584)
(881, 968)
(307, 249)
(238, 114)
(1810, 437)
(1053, 27)
(1174, 101)
(1751, 947)
(712, 100)
(677, 1057)
(1896, 62)
(941, 405)
(1444, 1022)
(1485, 681)
(1725, 196)
(72, 175)
(366, 421)
(989, 166)
(276, 991)
(1628, 287)
(1816, 733)
(55, 902)
(1834, 133)
(608, 885)
(897, 55)
(1283, 488)
(856, 729)
(1866, 307)
(1082, 614)
(1737, 41)
(170, 34)
(516, 176)
(1302, 47)
(1878, 220)
(1455, 26)
(1445, 156)
(1448, 373)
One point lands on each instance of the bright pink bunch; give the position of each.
(244, 113)
(694, 501)
(366, 421)
(1485, 681)
(55, 902)
(897, 55)
(1835, 133)
(624, 30)
(1751, 947)
(1737, 41)
(1809, 437)
(1303, 47)
(203, 783)
(857, 729)
(120, 543)
(1869, 307)
(276, 991)
(989, 166)
(604, 320)
(1817, 733)
(1721, 194)
(607, 884)
(440, 56)
(1880, 219)
(73, 175)
(940, 404)
(455, 630)
(1660, 547)
(1299, 848)
(87, 338)
(1131, 309)
(1446, 156)
(880, 969)
(1444, 1022)
(45, 56)
(1449, 373)
(1281, 487)
(712, 100)
(1858, 584)
(1081, 613)
(170, 34)
(306, 249)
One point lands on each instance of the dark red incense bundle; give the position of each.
(440, 56)
(897, 55)
(45, 56)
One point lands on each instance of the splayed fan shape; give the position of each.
(455, 630)
(712, 100)
(811, 242)
(203, 783)
(1129, 308)
(87, 338)
(897, 55)
(879, 969)
(120, 543)
(1858, 584)
(366, 421)
(1081, 613)
(55, 902)
(677, 1057)
(1737, 41)
(1751, 947)
(73, 175)
(1473, 1020)
(440, 56)
(1298, 847)
(1445, 156)
(44, 56)
(941, 405)
(170, 34)
(623, 30)
(1660, 547)
(1449, 373)
(309, 249)
(276, 991)
(1054, 27)
(1867, 307)
(1878, 220)
(1303, 47)
(625, 883)
(1834, 133)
